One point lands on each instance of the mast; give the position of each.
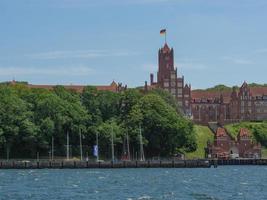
(97, 155)
(142, 156)
(52, 150)
(112, 144)
(81, 146)
(68, 146)
(128, 147)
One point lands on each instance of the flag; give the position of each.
(95, 150)
(162, 31)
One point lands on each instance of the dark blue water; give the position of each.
(235, 182)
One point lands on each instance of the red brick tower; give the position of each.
(246, 102)
(168, 80)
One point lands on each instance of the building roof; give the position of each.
(221, 132)
(201, 94)
(79, 88)
(244, 132)
(258, 91)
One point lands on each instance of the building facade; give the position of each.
(241, 104)
(168, 80)
(225, 147)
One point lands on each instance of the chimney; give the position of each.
(146, 89)
(151, 79)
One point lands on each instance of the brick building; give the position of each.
(203, 106)
(167, 79)
(225, 147)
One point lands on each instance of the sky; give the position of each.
(94, 42)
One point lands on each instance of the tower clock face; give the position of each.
(167, 58)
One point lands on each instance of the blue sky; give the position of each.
(96, 41)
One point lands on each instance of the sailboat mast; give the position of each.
(81, 146)
(128, 147)
(142, 156)
(97, 153)
(68, 146)
(52, 150)
(112, 145)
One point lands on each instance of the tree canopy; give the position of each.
(30, 118)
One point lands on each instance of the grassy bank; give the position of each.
(203, 135)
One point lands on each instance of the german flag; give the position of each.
(162, 32)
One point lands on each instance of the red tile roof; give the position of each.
(201, 94)
(258, 91)
(244, 132)
(221, 132)
(79, 88)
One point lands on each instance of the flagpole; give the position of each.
(166, 37)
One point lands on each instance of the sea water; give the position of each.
(224, 182)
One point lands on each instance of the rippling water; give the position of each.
(235, 182)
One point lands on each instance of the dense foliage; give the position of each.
(224, 88)
(30, 118)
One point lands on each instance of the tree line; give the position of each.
(30, 117)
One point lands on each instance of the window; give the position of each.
(166, 84)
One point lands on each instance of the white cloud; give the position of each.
(191, 66)
(108, 2)
(239, 61)
(47, 71)
(79, 54)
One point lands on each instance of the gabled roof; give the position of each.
(244, 132)
(221, 132)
